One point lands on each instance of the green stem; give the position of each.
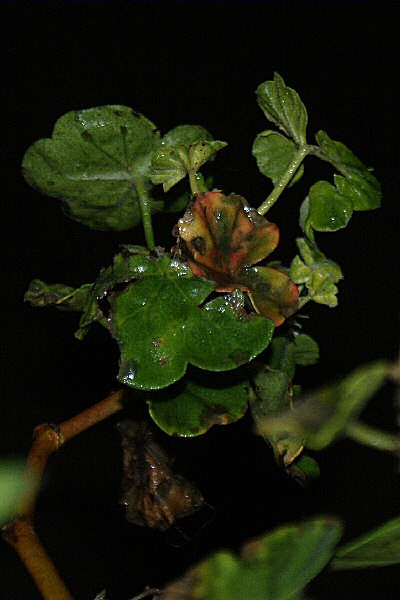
(145, 209)
(286, 177)
(370, 436)
(194, 184)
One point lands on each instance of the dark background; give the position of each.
(194, 62)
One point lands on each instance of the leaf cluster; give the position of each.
(208, 305)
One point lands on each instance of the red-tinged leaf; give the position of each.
(221, 237)
(271, 292)
(220, 234)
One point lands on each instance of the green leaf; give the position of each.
(184, 135)
(270, 396)
(193, 405)
(161, 328)
(170, 164)
(323, 415)
(201, 151)
(304, 469)
(377, 548)
(169, 167)
(14, 482)
(274, 153)
(359, 185)
(304, 220)
(283, 106)
(126, 266)
(101, 596)
(281, 355)
(316, 272)
(271, 393)
(275, 567)
(58, 295)
(306, 350)
(93, 162)
(329, 209)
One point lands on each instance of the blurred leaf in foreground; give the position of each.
(377, 548)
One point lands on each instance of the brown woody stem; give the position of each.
(20, 534)
(22, 537)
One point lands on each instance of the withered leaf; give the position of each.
(222, 237)
(153, 494)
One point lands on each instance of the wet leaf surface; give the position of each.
(329, 209)
(162, 324)
(171, 163)
(282, 105)
(356, 182)
(274, 153)
(98, 162)
(221, 237)
(91, 163)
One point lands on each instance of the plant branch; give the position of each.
(372, 437)
(286, 177)
(22, 537)
(20, 534)
(145, 209)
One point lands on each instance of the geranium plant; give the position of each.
(208, 327)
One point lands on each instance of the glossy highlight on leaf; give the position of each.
(171, 163)
(356, 182)
(282, 105)
(91, 163)
(329, 209)
(162, 324)
(274, 153)
(222, 237)
(98, 162)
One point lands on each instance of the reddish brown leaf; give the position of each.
(221, 237)
(153, 495)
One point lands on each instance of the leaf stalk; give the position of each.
(194, 184)
(145, 209)
(286, 177)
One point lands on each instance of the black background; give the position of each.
(194, 62)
